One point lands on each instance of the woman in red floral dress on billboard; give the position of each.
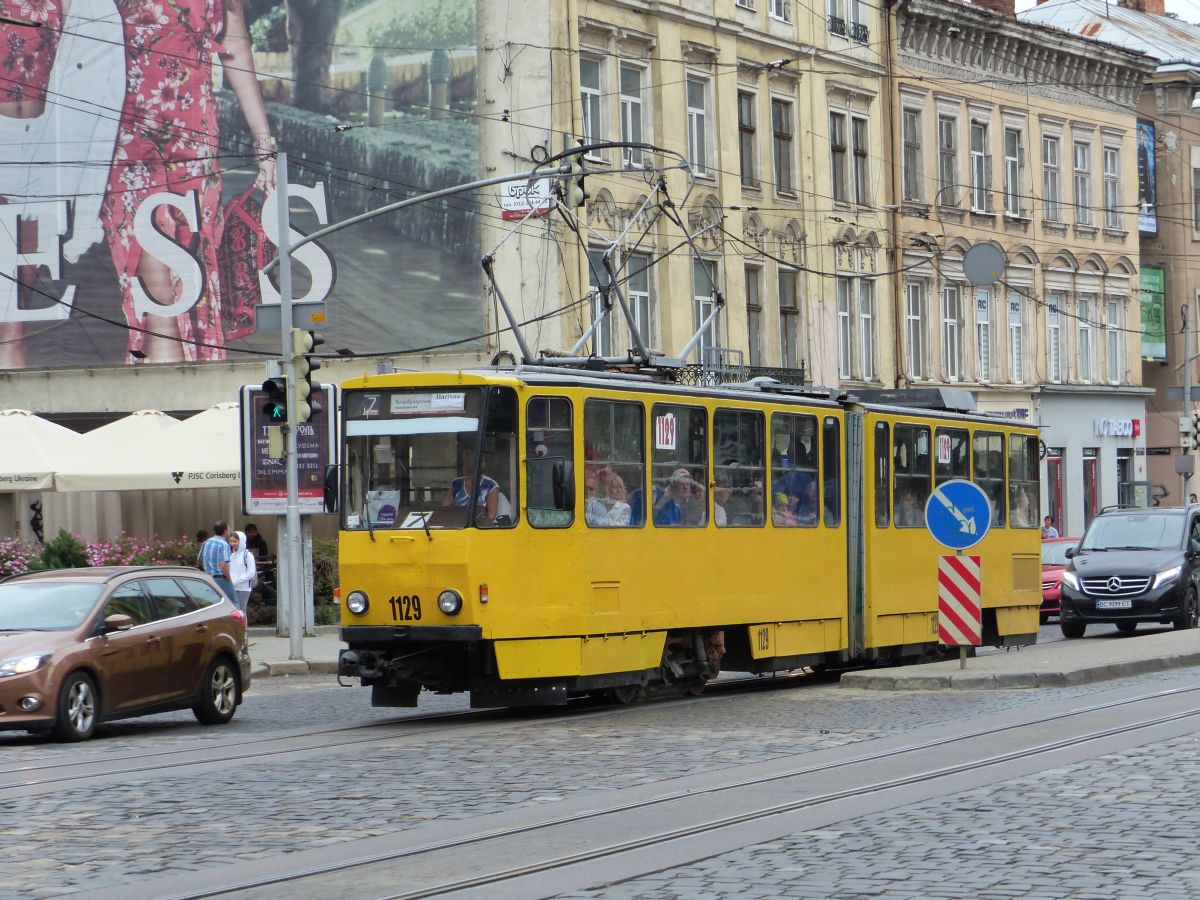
(168, 142)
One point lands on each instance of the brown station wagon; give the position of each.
(79, 647)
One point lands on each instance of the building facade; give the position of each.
(1023, 137)
(1168, 213)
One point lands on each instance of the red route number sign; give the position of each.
(960, 618)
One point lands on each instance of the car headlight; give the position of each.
(357, 602)
(1167, 577)
(450, 602)
(1070, 579)
(22, 665)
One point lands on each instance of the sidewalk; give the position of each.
(1043, 665)
(269, 655)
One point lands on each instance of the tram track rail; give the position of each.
(27, 780)
(620, 819)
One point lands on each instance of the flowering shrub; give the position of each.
(126, 550)
(15, 556)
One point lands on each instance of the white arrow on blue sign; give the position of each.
(958, 514)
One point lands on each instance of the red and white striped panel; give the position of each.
(960, 620)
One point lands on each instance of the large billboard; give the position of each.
(1153, 282)
(1147, 180)
(136, 204)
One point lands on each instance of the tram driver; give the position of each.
(486, 494)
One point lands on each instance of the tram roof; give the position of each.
(758, 389)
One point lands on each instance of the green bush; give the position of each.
(63, 552)
(325, 570)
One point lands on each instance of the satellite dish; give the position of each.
(983, 264)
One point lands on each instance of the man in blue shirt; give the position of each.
(214, 559)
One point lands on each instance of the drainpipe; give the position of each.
(890, 32)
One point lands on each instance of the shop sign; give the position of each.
(1117, 427)
(1020, 412)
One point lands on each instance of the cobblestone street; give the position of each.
(1064, 833)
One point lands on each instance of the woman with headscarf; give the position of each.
(243, 571)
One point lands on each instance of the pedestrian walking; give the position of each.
(214, 559)
(242, 570)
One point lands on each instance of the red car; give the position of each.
(1054, 560)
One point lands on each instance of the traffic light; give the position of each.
(303, 343)
(275, 407)
(576, 192)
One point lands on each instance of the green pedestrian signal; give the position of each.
(275, 407)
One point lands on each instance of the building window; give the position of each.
(912, 154)
(983, 335)
(837, 18)
(589, 91)
(981, 169)
(1083, 183)
(1112, 187)
(641, 296)
(1016, 339)
(1087, 371)
(1014, 163)
(602, 336)
(858, 137)
(780, 9)
(866, 327)
(697, 117)
(952, 332)
(632, 114)
(704, 288)
(1054, 336)
(754, 314)
(837, 156)
(789, 319)
(745, 4)
(947, 161)
(845, 289)
(1196, 200)
(781, 144)
(1051, 180)
(746, 139)
(1116, 341)
(914, 328)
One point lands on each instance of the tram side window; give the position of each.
(831, 470)
(499, 459)
(1023, 481)
(989, 471)
(739, 468)
(794, 475)
(912, 470)
(883, 446)
(679, 461)
(549, 462)
(614, 464)
(953, 455)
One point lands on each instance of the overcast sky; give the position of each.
(1188, 10)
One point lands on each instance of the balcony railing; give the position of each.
(860, 33)
(711, 376)
(837, 25)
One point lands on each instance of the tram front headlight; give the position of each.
(450, 602)
(357, 602)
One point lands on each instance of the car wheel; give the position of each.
(1044, 618)
(1073, 629)
(1127, 627)
(1191, 611)
(218, 693)
(77, 703)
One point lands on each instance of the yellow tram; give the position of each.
(535, 533)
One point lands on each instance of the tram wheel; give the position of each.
(626, 694)
(696, 687)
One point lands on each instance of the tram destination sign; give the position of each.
(957, 514)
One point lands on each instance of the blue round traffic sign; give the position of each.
(958, 514)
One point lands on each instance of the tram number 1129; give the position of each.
(405, 608)
(763, 636)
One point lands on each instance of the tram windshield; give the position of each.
(413, 459)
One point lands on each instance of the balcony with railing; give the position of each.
(838, 26)
(860, 33)
(724, 365)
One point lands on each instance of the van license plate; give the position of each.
(1114, 604)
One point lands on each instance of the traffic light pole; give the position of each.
(1187, 394)
(290, 547)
